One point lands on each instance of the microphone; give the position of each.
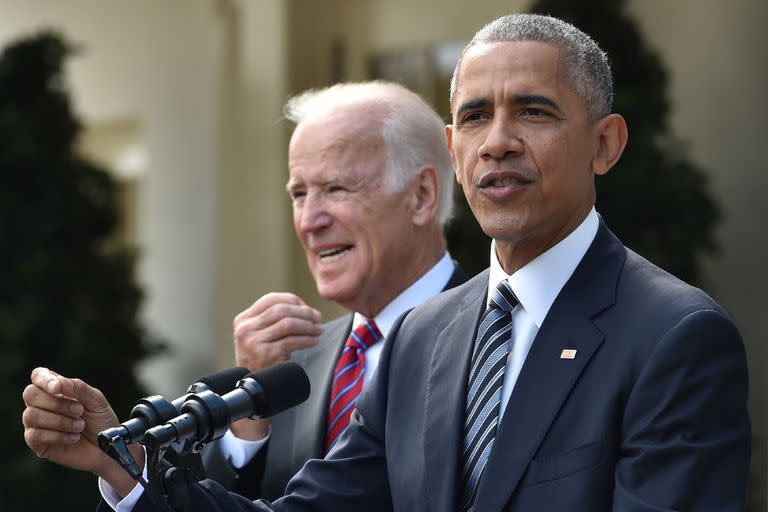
(206, 416)
(154, 410)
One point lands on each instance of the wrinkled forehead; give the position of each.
(345, 120)
(346, 142)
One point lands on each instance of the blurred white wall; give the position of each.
(153, 62)
(254, 236)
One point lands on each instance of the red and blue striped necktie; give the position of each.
(348, 378)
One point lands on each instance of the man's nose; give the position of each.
(501, 140)
(313, 214)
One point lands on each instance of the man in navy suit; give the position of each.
(604, 382)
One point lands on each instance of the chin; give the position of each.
(336, 293)
(501, 230)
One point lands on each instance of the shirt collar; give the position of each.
(538, 283)
(426, 287)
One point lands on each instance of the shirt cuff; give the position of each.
(241, 451)
(113, 499)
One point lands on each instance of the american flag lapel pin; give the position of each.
(568, 353)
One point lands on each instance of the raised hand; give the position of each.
(267, 333)
(62, 420)
(274, 327)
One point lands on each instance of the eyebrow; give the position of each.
(536, 99)
(523, 99)
(472, 104)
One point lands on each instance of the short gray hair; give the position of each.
(413, 133)
(586, 65)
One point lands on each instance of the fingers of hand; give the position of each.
(282, 325)
(270, 353)
(47, 379)
(267, 301)
(257, 356)
(275, 343)
(44, 430)
(56, 384)
(53, 384)
(293, 343)
(277, 322)
(41, 441)
(35, 397)
(34, 418)
(92, 399)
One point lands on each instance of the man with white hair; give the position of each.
(372, 188)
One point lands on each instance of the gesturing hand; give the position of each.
(267, 333)
(274, 327)
(62, 419)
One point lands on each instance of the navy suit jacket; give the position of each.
(298, 434)
(649, 416)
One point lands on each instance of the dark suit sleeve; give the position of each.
(686, 431)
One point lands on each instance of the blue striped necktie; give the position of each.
(486, 376)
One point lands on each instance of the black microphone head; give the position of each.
(285, 385)
(222, 382)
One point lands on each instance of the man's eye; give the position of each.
(472, 116)
(297, 195)
(336, 189)
(534, 112)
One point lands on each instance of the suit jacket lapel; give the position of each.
(546, 380)
(446, 386)
(310, 423)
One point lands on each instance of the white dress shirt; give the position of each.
(241, 451)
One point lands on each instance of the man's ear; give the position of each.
(612, 137)
(425, 196)
(449, 141)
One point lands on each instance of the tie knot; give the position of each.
(504, 298)
(364, 336)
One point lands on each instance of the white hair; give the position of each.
(586, 65)
(413, 133)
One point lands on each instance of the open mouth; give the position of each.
(335, 254)
(502, 182)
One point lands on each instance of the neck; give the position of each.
(417, 261)
(514, 254)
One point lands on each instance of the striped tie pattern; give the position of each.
(348, 379)
(486, 376)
